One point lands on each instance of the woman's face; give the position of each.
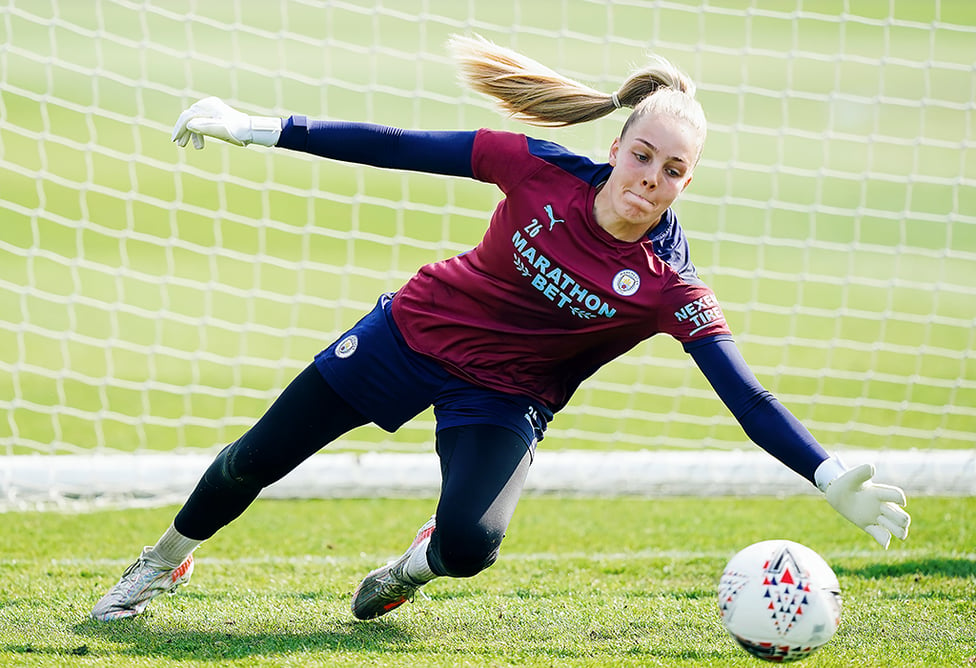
(652, 165)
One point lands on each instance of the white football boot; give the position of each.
(140, 583)
(389, 586)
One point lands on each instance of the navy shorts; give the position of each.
(372, 368)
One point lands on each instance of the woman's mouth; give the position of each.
(639, 200)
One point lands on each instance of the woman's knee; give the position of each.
(230, 469)
(464, 550)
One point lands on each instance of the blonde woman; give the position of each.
(580, 262)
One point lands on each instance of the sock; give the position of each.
(417, 568)
(172, 548)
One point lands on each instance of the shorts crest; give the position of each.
(347, 346)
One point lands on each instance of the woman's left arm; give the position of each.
(764, 419)
(874, 508)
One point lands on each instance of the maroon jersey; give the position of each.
(548, 296)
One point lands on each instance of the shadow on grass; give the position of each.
(945, 567)
(136, 638)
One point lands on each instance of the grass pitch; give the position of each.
(155, 298)
(581, 582)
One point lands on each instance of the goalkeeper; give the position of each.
(580, 262)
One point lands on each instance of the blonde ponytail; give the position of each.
(531, 92)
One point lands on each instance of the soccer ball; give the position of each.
(779, 600)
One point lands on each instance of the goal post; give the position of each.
(155, 300)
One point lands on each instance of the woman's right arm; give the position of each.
(436, 152)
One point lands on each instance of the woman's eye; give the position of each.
(641, 157)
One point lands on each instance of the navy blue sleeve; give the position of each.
(763, 418)
(436, 152)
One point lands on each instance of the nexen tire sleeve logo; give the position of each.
(701, 313)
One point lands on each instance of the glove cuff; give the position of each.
(828, 471)
(265, 131)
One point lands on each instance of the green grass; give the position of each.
(157, 298)
(581, 582)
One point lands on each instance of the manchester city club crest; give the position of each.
(626, 282)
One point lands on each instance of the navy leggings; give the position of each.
(483, 470)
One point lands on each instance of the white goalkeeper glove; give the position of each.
(875, 508)
(212, 117)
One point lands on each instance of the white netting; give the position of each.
(154, 299)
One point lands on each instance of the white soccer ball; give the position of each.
(779, 600)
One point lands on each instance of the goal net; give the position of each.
(154, 300)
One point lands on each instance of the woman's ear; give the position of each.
(614, 148)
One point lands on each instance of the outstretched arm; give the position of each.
(437, 152)
(874, 508)
(764, 419)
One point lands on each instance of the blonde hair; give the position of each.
(531, 92)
